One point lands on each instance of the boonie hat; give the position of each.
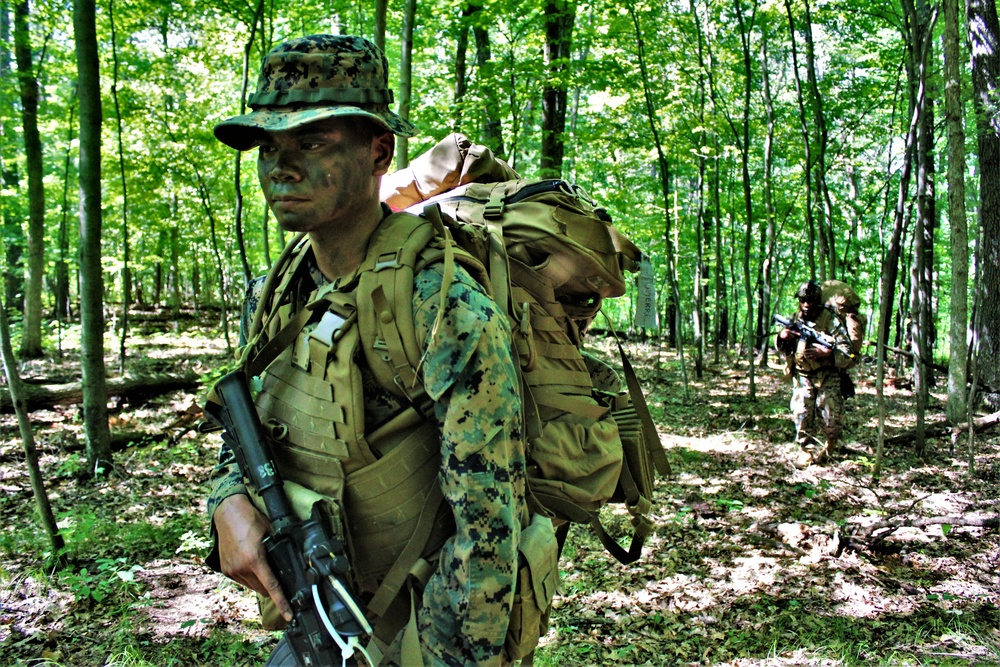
(313, 78)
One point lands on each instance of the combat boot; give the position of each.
(832, 446)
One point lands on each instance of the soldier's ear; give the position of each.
(383, 148)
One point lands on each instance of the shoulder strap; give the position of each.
(403, 244)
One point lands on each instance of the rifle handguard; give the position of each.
(307, 559)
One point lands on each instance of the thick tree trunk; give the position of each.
(957, 408)
(95, 409)
(406, 79)
(131, 389)
(984, 36)
(31, 331)
(560, 16)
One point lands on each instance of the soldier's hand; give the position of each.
(241, 529)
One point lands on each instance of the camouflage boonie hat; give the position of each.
(312, 78)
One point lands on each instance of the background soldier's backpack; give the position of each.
(842, 298)
(552, 257)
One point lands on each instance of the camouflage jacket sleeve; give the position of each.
(469, 373)
(225, 478)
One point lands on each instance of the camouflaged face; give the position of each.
(313, 78)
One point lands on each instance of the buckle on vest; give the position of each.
(326, 331)
(388, 260)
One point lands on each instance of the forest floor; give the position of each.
(752, 562)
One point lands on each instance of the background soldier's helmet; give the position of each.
(809, 291)
(313, 78)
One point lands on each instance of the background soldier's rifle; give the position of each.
(309, 562)
(810, 335)
(807, 332)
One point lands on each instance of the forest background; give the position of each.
(744, 146)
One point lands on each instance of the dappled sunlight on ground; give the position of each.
(751, 551)
(751, 562)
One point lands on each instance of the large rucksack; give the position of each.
(845, 302)
(552, 256)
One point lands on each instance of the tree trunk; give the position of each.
(62, 288)
(128, 388)
(919, 298)
(984, 36)
(31, 331)
(957, 407)
(381, 8)
(827, 248)
(890, 271)
(702, 225)
(664, 165)
(461, 67)
(721, 288)
(492, 129)
(746, 30)
(95, 407)
(13, 235)
(42, 503)
(806, 145)
(175, 270)
(126, 267)
(560, 16)
(767, 237)
(406, 80)
(238, 158)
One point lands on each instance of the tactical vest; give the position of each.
(309, 354)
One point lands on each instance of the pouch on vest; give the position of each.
(537, 580)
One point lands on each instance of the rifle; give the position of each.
(805, 331)
(309, 562)
(812, 336)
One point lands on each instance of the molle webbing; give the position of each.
(403, 245)
(384, 481)
(387, 501)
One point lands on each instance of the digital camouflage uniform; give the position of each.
(469, 374)
(816, 385)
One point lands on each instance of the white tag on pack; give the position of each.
(645, 310)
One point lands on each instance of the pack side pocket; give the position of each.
(537, 580)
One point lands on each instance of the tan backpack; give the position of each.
(843, 300)
(552, 256)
